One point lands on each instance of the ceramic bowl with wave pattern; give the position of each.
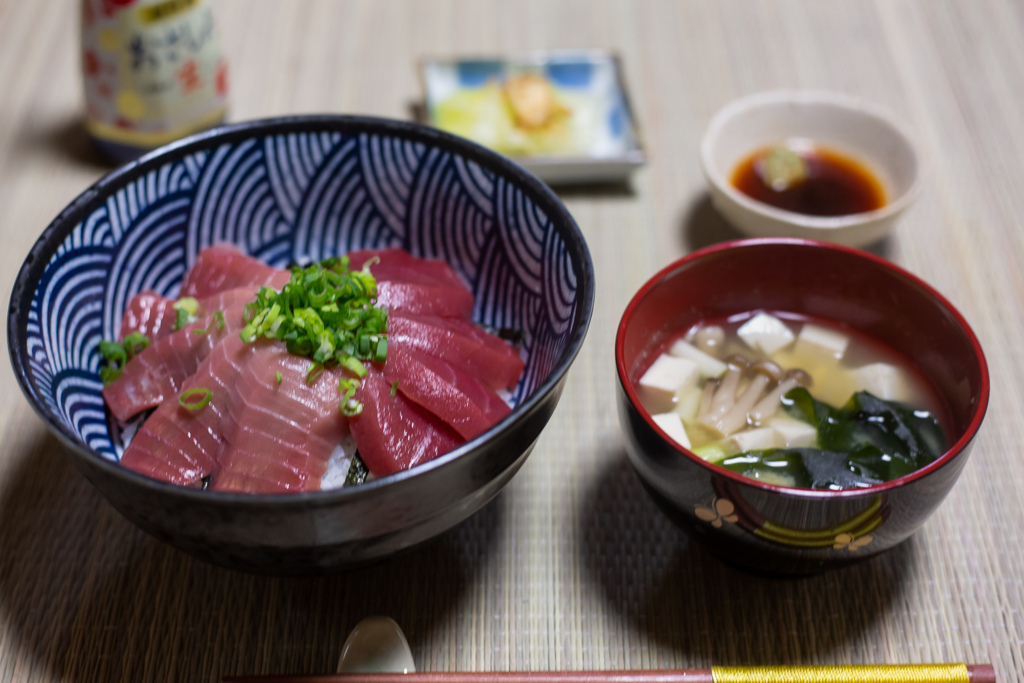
(292, 190)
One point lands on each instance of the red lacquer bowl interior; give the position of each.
(820, 280)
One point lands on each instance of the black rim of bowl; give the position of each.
(58, 230)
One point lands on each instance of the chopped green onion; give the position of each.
(114, 352)
(250, 310)
(278, 376)
(324, 309)
(394, 388)
(217, 318)
(185, 310)
(117, 354)
(314, 371)
(109, 375)
(135, 343)
(352, 364)
(195, 398)
(351, 408)
(328, 313)
(347, 387)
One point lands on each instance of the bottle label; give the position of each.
(153, 70)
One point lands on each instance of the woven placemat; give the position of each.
(571, 567)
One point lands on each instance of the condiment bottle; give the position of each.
(153, 72)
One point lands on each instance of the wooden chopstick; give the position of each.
(902, 673)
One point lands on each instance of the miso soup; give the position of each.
(794, 401)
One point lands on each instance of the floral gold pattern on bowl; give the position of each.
(851, 543)
(721, 510)
(855, 528)
(851, 534)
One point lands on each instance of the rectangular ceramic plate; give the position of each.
(595, 139)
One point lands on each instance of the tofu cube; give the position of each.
(886, 381)
(756, 439)
(793, 433)
(709, 365)
(821, 341)
(673, 426)
(668, 375)
(765, 332)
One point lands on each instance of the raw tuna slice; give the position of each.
(223, 267)
(279, 436)
(163, 449)
(393, 433)
(254, 434)
(181, 446)
(460, 400)
(150, 314)
(414, 285)
(460, 342)
(261, 434)
(400, 265)
(162, 368)
(154, 315)
(421, 299)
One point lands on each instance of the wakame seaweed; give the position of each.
(867, 441)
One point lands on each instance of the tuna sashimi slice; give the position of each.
(163, 451)
(150, 314)
(254, 434)
(460, 342)
(393, 433)
(425, 299)
(154, 315)
(279, 435)
(223, 266)
(264, 429)
(400, 265)
(413, 285)
(162, 367)
(460, 400)
(181, 446)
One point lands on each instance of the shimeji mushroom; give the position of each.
(726, 410)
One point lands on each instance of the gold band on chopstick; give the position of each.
(897, 673)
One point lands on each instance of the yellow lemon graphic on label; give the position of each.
(131, 105)
(108, 40)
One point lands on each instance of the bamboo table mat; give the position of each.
(571, 567)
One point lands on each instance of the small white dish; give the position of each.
(847, 124)
(605, 143)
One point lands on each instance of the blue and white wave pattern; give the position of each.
(294, 198)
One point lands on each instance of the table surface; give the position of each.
(571, 567)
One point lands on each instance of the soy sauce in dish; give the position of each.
(809, 179)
